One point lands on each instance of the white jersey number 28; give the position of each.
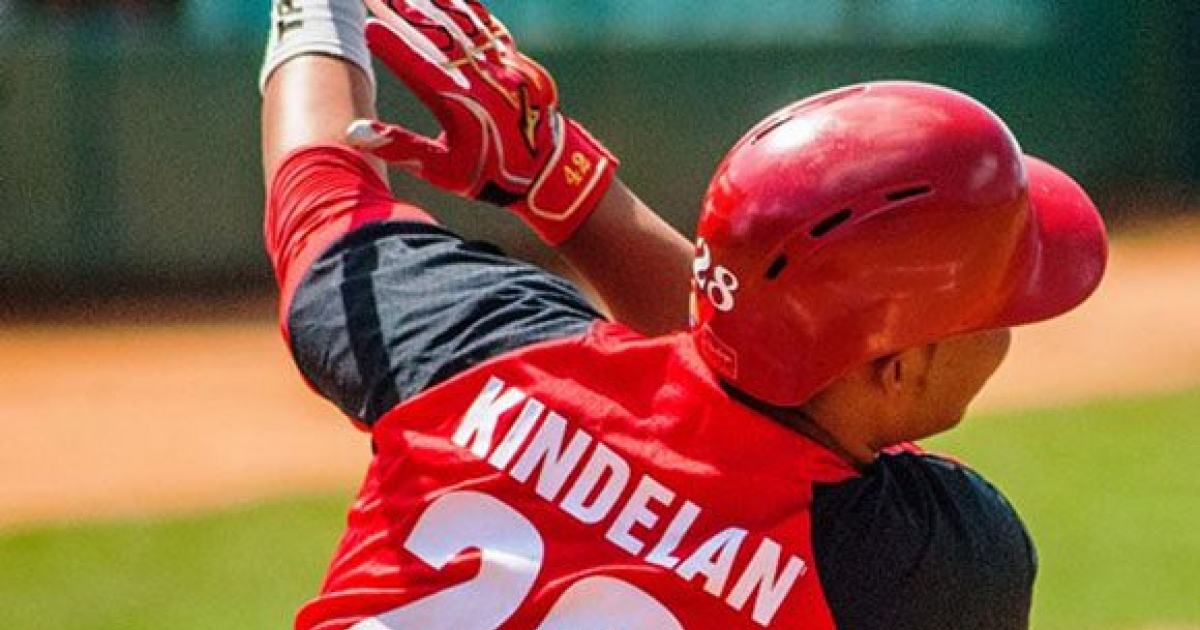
(511, 551)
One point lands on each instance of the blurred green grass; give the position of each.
(246, 568)
(1111, 492)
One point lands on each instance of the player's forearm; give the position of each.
(636, 262)
(316, 76)
(311, 99)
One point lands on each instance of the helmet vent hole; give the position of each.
(821, 100)
(908, 193)
(766, 131)
(830, 224)
(777, 267)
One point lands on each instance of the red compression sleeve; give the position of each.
(319, 194)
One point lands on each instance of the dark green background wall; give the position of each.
(129, 157)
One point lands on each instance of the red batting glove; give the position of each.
(504, 139)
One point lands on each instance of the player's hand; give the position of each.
(503, 137)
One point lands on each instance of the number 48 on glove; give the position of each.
(503, 140)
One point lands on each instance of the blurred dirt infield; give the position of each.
(125, 420)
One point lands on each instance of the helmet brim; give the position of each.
(1067, 249)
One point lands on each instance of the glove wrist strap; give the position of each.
(570, 186)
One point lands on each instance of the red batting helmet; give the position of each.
(876, 218)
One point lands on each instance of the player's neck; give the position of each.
(851, 448)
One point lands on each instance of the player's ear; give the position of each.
(904, 372)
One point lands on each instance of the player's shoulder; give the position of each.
(910, 478)
(919, 535)
(912, 493)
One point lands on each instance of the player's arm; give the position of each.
(316, 79)
(638, 263)
(377, 302)
(505, 141)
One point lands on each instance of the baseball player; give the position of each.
(860, 257)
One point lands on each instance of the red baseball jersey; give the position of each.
(538, 468)
(558, 488)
